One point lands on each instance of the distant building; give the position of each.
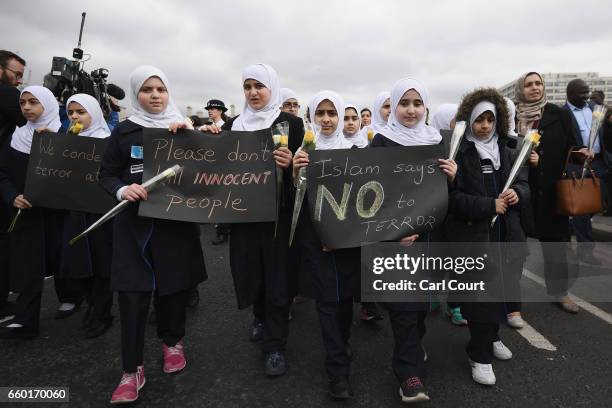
(556, 84)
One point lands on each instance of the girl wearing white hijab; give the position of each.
(380, 111)
(484, 162)
(86, 110)
(357, 137)
(406, 127)
(511, 117)
(86, 265)
(149, 255)
(407, 122)
(289, 101)
(259, 257)
(444, 117)
(332, 277)
(35, 243)
(47, 120)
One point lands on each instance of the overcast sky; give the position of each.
(357, 48)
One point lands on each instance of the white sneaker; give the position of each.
(500, 351)
(66, 307)
(516, 321)
(483, 373)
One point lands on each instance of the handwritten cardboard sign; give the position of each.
(358, 196)
(63, 173)
(226, 178)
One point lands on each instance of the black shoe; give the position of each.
(88, 318)
(194, 299)
(8, 309)
(257, 330)
(98, 328)
(275, 364)
(340, 388)
(221, 239)
(17, 333)
(369, 312)
(413, 390)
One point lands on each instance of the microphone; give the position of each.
(115, 91)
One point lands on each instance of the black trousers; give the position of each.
(4, 266)
(133, 308)
(27, 311)
(275, 322)
(70, 290)
(99, 298)
(335, 320)
(408, 330)
(480, 346)
(560, 267)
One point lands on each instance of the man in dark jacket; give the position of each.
(582, 112)
(11, 75)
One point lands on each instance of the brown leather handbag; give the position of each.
(576, 195)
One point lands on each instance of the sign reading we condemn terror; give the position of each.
(63, 173)
(357, 196)
(226, 178)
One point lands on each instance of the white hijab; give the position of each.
(336, 140)
(140, 115)
(287, 94)
(98, 127)
(443, 116)
(378, 123)
(251, 119)
(421, 133)
(22, 136)
(487, 148)
(511, 117)
(359, 138)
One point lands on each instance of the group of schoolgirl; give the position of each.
(144, 257)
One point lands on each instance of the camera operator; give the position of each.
(11, 75)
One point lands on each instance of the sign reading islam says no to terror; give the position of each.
(228, 177)
(358, 196)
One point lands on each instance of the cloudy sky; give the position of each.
(357, 48)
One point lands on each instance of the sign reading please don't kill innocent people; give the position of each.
(358, 196)
(228, 177)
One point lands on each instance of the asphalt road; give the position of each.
(225, 370)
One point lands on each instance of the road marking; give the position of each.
(535, 338)
(594, 310)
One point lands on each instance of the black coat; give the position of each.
(10, 118)
(259, 262)
(148, 254)
(91, 255)
(10, 113)
(35, 243)
(558, 137)
(437, 235)
(471, 209)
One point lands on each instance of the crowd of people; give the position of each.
(146, 260)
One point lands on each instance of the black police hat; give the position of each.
(216, 104)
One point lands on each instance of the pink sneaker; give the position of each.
(127, 390)
(174, 358)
